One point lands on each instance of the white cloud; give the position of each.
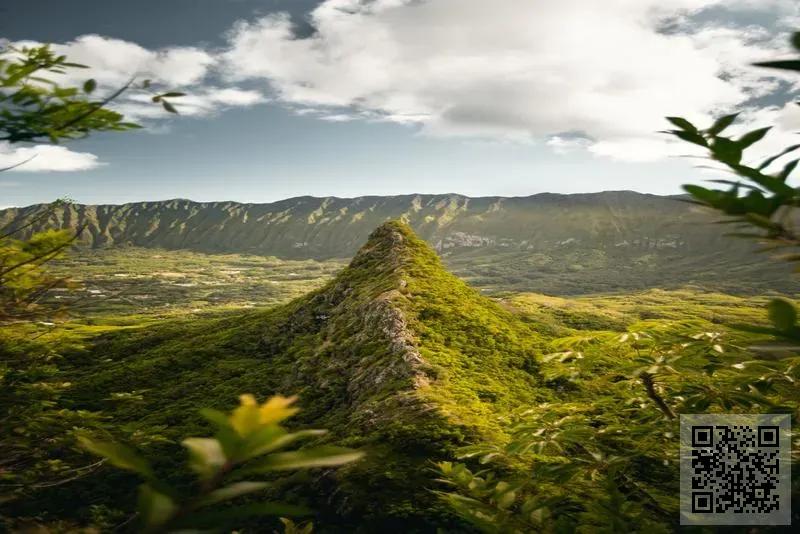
(113, 62)
(46, 158)
(566, 145)
(200, 102)
(515, 69)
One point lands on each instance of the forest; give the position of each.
(158, 378)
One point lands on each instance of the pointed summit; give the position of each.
(395, 355)
(392, 245)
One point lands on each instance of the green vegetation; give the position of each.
(552, 244)
(603, 458)
(153, 283)
(374, 356)
(400, 359)
(564, 412)
(36, 109)
(36, 428)
(245, 445)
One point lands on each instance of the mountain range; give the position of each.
(547, 243)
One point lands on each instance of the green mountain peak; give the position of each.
(395, 355)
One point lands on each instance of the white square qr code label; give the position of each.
(735, 469)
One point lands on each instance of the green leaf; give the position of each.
(786, 64)
(318, 457)
(767, 162)
(795, 41)
(118, 455)
(761, 221)
(752, 137)
(154, 508)
(89, 86)
(169, 107)
(707, 196)
(726, 151)
(206, 456)
(506, 500)
(782, 314)
(683, 124)
(172, 95)
(721, 124)
(691, 137)
(232, 491)
(216, 417)
(787, 170)
(272, 438)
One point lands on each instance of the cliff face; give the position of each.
(308, 227)
(395, 355)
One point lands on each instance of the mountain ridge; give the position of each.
(611, 241)
(394, 355)
(334, 197)
(141, 224)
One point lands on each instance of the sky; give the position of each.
(381, 97)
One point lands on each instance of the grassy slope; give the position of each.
(395, 355)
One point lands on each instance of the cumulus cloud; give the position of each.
(45, 158)
(516, 69)
(112, 63)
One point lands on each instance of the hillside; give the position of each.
(546, 243)
(394, 355)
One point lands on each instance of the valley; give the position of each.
(607, 362)
(391, 353)
(173, 255)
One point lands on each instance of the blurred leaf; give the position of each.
(782, 314)
(119, 455)
(89, 86)
(272, 438)
(683, 124)
(752, 137)
(154, 507)
(721, 124)
(169, 107)
(786, 64)
(726, 151)
(691, 137)
(232, 491)
(216, 417)
(787, 170)
(761, 221)
(767, 162)
(206, 456)
(319, 457)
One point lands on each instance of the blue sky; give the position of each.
(347, 98)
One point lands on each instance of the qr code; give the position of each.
(735, 469)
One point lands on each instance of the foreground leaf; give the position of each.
(119, 455)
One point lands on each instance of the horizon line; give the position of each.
(326, 197)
